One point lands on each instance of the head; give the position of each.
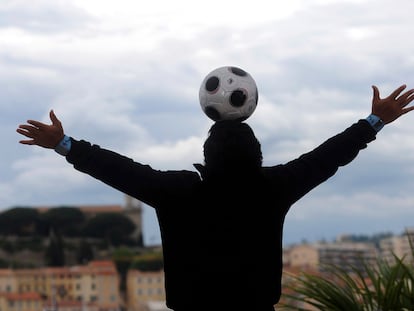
(231, 146)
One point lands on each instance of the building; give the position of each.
(95, 285)
(145, 290)
(344, 254)
(21, 302)
(401, 246)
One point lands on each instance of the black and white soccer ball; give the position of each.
(228, 93)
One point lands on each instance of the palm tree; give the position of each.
(383, 286)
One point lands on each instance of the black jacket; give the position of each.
(222, 239)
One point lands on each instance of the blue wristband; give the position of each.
(64, 146)
(375, 121)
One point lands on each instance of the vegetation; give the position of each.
(148, 262)
(59, 233)
(84, 253)
(384, 286)
(125, 259)
(64, 236)
(54, 254)
(113, 227)
(65, 221)
(19, 221)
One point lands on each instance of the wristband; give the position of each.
(64, 146)
(376, 122)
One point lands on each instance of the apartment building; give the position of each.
(344, 254)
(401, 246)
(145, 291)
(95, 287)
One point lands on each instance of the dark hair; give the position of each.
(232, 145)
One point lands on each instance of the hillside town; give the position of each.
(98, 285)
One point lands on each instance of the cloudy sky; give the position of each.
(125, 74)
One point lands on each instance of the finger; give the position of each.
(397, 92)
(408, 109)
(406, 98)
(37, 124)
(376, 95)
(27, 127)
(407, 101)
(54, 119)
(25, 132)
(27, 142)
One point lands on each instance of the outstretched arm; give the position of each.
(316, 166)
(394, 106)
(41, 134)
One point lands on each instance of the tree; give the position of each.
(65, 220)
(122, 258)
(84, 253)
(21, 221)
(148, 262)
(113, 227)
(54, 254)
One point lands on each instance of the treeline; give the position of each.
(66, 221)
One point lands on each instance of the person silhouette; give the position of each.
(221, 225)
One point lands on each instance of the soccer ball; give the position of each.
(228, 93)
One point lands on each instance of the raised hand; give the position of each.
(40, 134)
(393, 106)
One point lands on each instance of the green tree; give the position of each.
(113, 227)
(54, 254)
(22, 221)
(65, 220)
(84, 253)
(148, 262)
(122, 257)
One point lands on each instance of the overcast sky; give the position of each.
(125, 75)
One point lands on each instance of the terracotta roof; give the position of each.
(6, 272)
(102, 263)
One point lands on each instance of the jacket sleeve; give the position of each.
(311, 169)
(122, 173)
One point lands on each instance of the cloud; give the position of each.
(127, 79)
(42, 16)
